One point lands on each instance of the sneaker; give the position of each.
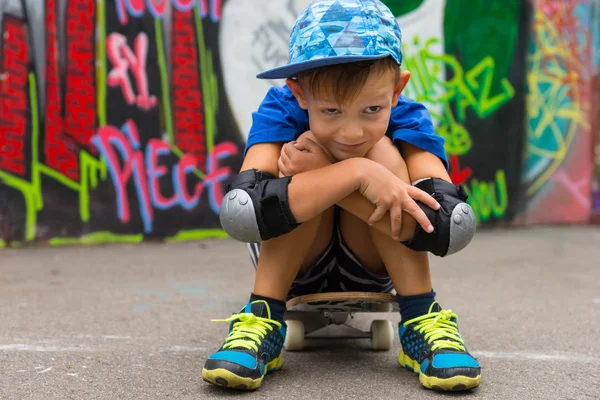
(431, 346)
(251, 350)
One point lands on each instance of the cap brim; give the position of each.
(287, 71)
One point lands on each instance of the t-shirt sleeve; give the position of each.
(279, 118)
(410, 122)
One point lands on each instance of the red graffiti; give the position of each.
(458, 175)
(58, 149)
(123, 60)
(14, 106)
(80, 76)
(188, 115)
(157, 8)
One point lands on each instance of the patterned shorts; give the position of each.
(336, 270)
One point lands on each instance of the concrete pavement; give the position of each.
(133, 322)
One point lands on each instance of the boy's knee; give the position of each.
(454, 222)
(256, 207)
(387, 154)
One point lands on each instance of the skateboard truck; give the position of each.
(309, 315)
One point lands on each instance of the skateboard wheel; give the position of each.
(382, 334)
(294, 338)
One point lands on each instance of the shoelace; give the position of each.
(439, 329)
(248, 331)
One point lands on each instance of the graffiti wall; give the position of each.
(596, 125)
(122, 120)
(467, 66)
(113, 124)
(561, 98)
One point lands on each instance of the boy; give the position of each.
(341, 215)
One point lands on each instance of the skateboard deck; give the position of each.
(308, 315)
(344, 302)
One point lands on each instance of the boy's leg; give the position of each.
(430, 341)
(287, 257)
(410, 272)
(257, 333)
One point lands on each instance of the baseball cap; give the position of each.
(330, 32)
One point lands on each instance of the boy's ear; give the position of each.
(298, 92)
(402, 82)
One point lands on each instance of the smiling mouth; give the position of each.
(350, 147)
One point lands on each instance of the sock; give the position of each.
(415, 306)
(277, 306)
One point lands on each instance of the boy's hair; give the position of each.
(343, 82)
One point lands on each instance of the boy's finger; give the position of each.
(396, 218)
(300, 145)
(413, 209)
(423, 197)
(285, 157)
(309, 145)
(377, 214)
(282, 168)
(290, 149)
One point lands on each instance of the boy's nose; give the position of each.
(352, 135)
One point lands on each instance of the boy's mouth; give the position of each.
(350, 147)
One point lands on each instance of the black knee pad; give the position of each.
(256, 207)
(454, 223)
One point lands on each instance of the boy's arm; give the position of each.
(310, 193)
(423, 164)
(411, 128)
(417, 164)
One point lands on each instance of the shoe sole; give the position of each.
(455, 384)
(227, 379)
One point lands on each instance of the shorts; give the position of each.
(336, 270)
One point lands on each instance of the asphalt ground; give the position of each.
(134, 322)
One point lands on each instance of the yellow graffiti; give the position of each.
(463, 90)
(555, 103)
(488, 198)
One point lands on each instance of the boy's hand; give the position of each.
(301, 156)
(388, 193)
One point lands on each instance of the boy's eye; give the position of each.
(330, 111)
(373, 109)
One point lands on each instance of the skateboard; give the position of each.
(308, 315)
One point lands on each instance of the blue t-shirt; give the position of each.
(280, 119)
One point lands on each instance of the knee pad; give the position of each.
(256, 207)
(454, 223)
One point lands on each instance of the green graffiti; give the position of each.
(32, 191)
(488, 198)
(483, 28)
(101, 63)
(461, 91)
(92, 169)
(96, 238)
(198, 235)
(210, 85)
(164, 82)
(402, 7)
(105, 237)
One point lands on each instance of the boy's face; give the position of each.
(351, 129)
